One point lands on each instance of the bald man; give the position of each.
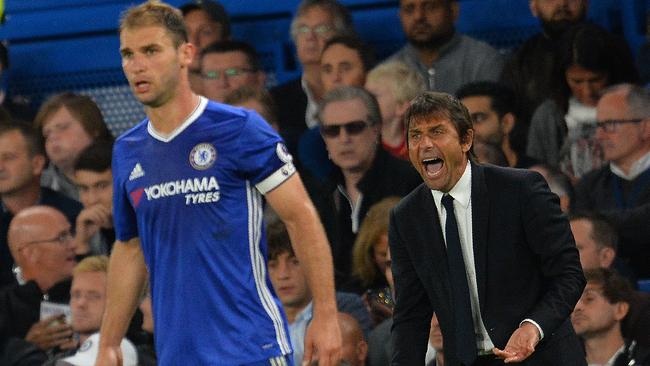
(355, 348)
(42, 247)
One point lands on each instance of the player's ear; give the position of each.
(186, 53)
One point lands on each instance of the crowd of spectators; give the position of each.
(568, 103)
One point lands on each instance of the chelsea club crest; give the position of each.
(203, 156)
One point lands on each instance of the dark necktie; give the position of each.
(462, 308)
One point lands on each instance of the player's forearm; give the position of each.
(126, 277)
(312, 249)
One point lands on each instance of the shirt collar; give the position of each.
(305, 314)
(461, 192)
(637, 168)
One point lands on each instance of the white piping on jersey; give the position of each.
(203, 102)
(254, 200)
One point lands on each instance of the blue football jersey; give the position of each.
(194, 199)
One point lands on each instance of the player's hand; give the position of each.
(50, 332)
(109, 356)
(520, 345)
(323, 341)
(88, 223)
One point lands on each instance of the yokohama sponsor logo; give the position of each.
(195, 190)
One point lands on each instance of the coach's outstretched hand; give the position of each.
(520, 345)
(323, 341)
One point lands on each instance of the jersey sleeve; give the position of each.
(123, 213)
(264, 158)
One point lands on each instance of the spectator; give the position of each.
(530, 70)
(315, 22)
(42, 247)
(621, 189)
(22, 160)
(488, 153)
(290, 283)
(445, 58)
(369, 260)
(69, 123)
(364, 173)
(94, 178)
(256, 99)
(345, 61)
(597, 319)
(355, 348)
(87, 303)
(207, 22)
(230, 65)
(561, 132)
(558, 182)
(495, 119)
(394, 84)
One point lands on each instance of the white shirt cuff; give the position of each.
(541, 332)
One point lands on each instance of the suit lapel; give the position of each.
(480, 215)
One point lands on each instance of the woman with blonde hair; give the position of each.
(369, 259)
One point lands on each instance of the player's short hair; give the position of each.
(156, 13)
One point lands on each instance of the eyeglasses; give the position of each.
(351, 128)
(611, 125)
(320, 30)
(231, 72)
(63, 239)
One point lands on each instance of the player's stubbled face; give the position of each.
(151, 63)
(437, 153)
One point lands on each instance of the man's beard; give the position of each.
(556, 28)
(434, 42)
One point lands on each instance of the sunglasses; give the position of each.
(351, 128)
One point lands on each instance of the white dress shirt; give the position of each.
(462, 195)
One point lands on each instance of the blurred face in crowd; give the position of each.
(594, 314)
(18, 168)
(391, 110)
(437, 151)
(487, 124)
(202, 30)
(428, 23)
(625, 141)
(289, 281)
(354, 348)
(585, 85)
(65, 138)
(380, 250)
(44, 245)
(341, 66)
(225, 72)
(153, 64)
(314, 28)
(95, 188)
(560, 13)
(592, 255)
(87, 301)
(349, 138)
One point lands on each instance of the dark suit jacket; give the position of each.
(527, 266)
